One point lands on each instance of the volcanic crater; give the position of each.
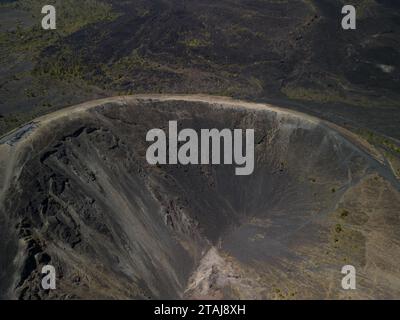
(78, 193)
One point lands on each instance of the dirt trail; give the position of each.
(221, 101)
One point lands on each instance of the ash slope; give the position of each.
(78, 193)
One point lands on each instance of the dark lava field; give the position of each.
(294, 53)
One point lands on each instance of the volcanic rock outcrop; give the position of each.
(78, 193)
